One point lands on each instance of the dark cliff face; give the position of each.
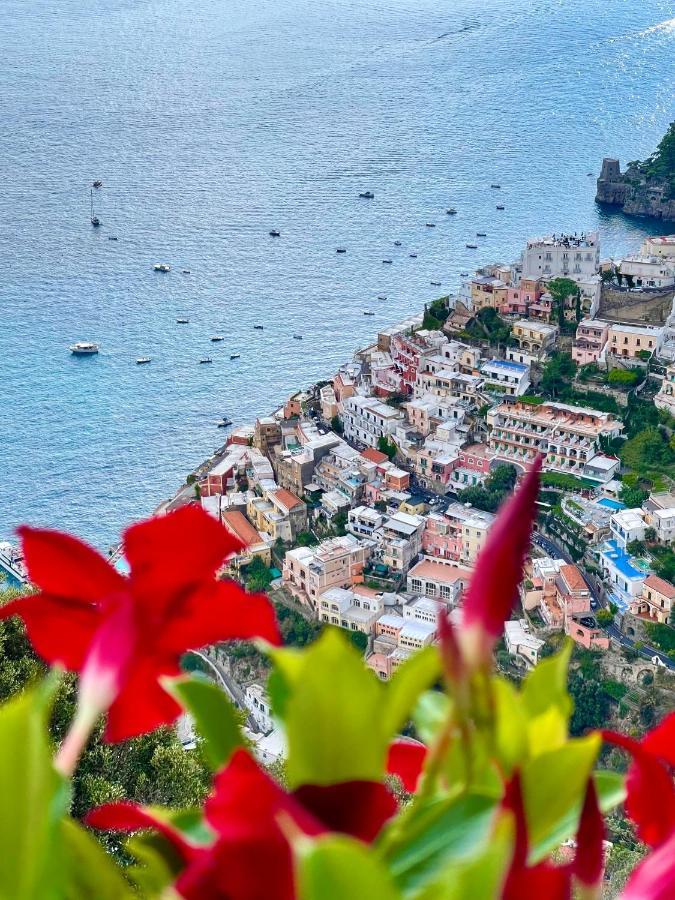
(646, 188)
(636, 193)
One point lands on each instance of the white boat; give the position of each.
(216, 338)
(205, 360)
(162, 267)
(143, 360)
(83, 348)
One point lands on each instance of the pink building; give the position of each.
(407, 351)
(441, 538)
(585, 631)
(591, 337)
(475, 458)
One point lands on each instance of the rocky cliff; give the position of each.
(646, 188)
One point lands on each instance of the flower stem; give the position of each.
(75, 740)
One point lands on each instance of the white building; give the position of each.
(506, 377)
(520, 642)
(367, 419)
(363, 520)
(628, 525)
(438, 580)
(648, 271)
(424, 609)
(659, 246)
(350, 609)
(562, 255)
(400, 540)
(258, 704)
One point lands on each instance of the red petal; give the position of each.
(357, 808)
(451, 655)
(538, 882)
(406, 759)
(171, 553)
(241, 870)
(60, 630)
(64, 566)
(513, 801)
(654, 878)
(494, 585)
(247, 803)
(650, 800)
(660, 741)
(142, 704)
(128, 817)
(589, 857)
(220, 611)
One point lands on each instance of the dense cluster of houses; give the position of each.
(366, 468)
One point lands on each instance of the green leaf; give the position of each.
(510, 725)
(416, 674)
(430, 713)
(554, 783)
(332, 713)
(88, 870)
(440, 832)
(34, 798)
(214, 715)
(157, 863)
(547, 702)
(340, 868)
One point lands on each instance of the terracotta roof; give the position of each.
(374, 456)
(573, 578)
(438, 571)
(237, 523)
(287, 498)
(661, 585)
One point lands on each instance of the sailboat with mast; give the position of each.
(95, 221)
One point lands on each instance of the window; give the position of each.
(416, 585)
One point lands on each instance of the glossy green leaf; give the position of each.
(88, 870)
(440, 832)
(430, 712)
(340, 868)
(510, 725)
(157, 863)
(547, 702)
(34, 799)
(554, 783)
(332, 714)
(480, 876)
(416, 674)
(214, 715)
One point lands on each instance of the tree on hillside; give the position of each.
(258, 576)
(565, 293)
(558, 374)
(647, 450)
(384, 445)
(336, 424)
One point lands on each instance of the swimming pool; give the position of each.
(611, 504)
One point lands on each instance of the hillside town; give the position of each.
(364, 501)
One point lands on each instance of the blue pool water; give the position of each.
(611, 504)
(211, 123)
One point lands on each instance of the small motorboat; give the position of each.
(274, 233)
(341, 250)
(98, 183)
(367, 195)
(186, 272)
(495, 187)
(182, 320)
(216, 338)
(83, 348)
(435, 283)
(143, 360)
(205, 360)
(111, 237)
(381, 296)
(590, 174)
(235, 355)
(481, 234)
(451, 212)
(472, 246)
(387, 262)
(397, 243)
(412, 255)
(367, 313)
(161, 267)
(297, 337)
(258, 327)
(430, 224)
(224, 422)
(95, 221)
(499, 206)
(463, 274)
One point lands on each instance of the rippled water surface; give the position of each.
(211, 123)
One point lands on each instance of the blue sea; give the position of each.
(212, 122)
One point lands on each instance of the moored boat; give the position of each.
(216, 338)
(182, 320)
(367, 195)
(205, 360)
(341, 250)
(83, 348)
(162, 267)
(143, 360)
(274, 232)
(451, 212)
(235, 355)
(499, 206)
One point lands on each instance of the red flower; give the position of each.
(494, 584)
(253, 819)
(650, 800)
(406, 759)
(654, 877)
(589, 859)
(124, 633)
